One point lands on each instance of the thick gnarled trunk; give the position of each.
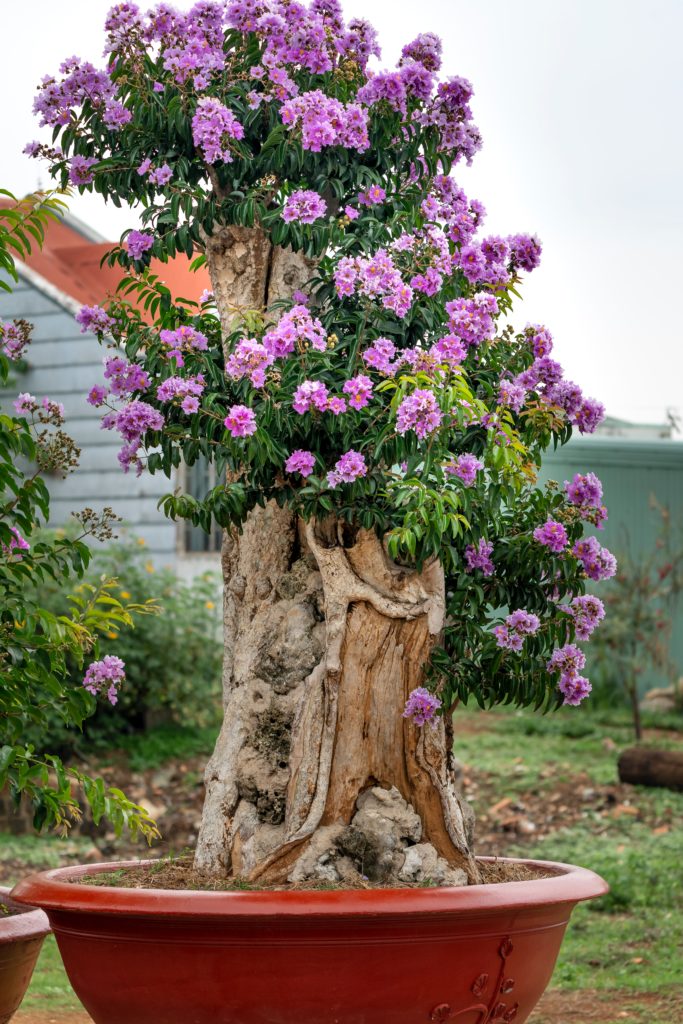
(316, 774)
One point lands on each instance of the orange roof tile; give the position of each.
(70, 261)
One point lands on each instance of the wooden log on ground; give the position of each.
(651, 766)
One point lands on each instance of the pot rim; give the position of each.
(55, 890)
(29, 923)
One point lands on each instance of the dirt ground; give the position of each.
(585, 1007)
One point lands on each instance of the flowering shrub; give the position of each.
(36, 645)
(394, 394)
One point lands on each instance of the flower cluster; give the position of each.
(57, 102)
(80, 172)
(304, 206)
(518, 625)
(124, 377)
(419, 412)
(249, 359)
(421, 706)
(188, 389)
(95, 319)
(568, 661)
(585, 491)
(15, 337)
(466, 467)
(132, 422)
(376, 277)
(552, 535)
(214, 127)
(105, 676)
(183, 339)
(598, 563)
(325, 121)
(478, 556)
(138, 243)
(240, 421)
(471, 320)
(297, 325)
(587, 612)
(301, 461)
(348, 468)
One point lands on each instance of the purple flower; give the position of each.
(584, 490)
(511, 394)
(250, 359)
(421, 706)
(301, 461)
(574, 688)
(297, 325)
(134, 419)
(372, 196)
(16, 546)
(518, 625)
(105, 675)
(419, 412)
(144, 166)
(359, 390)
(116, 115)
(240, 421)
(424, 50)
(325, 121)
(25, 403)
(189, 405)
(380, 356)
(348, 468)
(14, 338)
(161, 175)
(337, 405)
(138, 243)
(304, 206)
(184, 388)
(95, 319)
(525, 251)
(351, 212)
(569, 660)
(213, 129)
(184, 338)
(552, 535)
(97, 395)
(589, 414)
(541, 340)
(449, 350)
(598, 563)
(125, 377)
(312, 394)
(471, 320)
(479, 557)
(587, 612)
(466, 466)
(79, 170)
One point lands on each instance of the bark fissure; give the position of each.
(323, 632)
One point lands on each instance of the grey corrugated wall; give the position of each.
(64, 364)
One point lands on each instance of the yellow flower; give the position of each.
(124, 594)
(112, 636)
(209, 605)
(141, 541)
(149, 567)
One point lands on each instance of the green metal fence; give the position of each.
(632, 473)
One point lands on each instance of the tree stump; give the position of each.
(650, 766)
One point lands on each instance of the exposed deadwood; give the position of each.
(650, 766)
(324, 640)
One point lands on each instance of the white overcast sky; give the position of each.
(580, 105)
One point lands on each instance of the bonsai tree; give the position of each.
(376, 421)
(37, 646)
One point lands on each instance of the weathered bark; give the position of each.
(315, 773)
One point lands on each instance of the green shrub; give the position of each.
(173, 660)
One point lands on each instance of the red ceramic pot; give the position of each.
(473, 955)
(21, 936)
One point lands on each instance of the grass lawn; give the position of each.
(625, 949)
